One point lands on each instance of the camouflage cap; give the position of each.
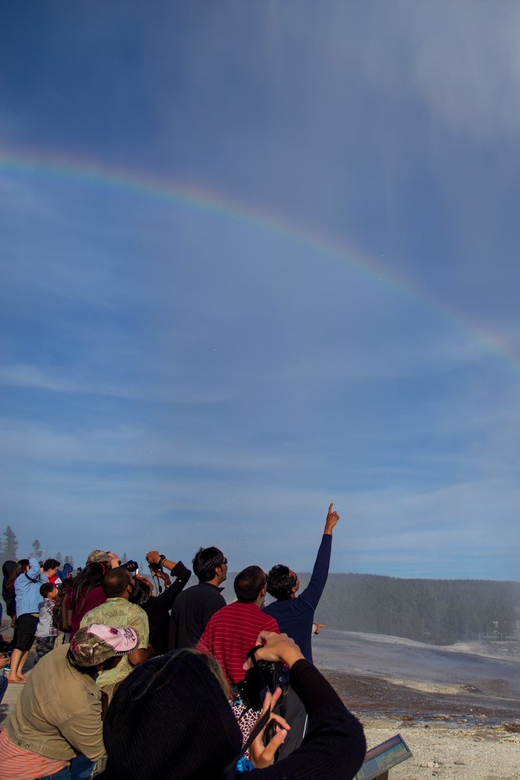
(97, 643)
(98, 556)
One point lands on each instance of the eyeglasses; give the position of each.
(224, 562)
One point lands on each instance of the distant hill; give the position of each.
(436, 611)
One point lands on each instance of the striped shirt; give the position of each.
(19, 764)
(231, 633)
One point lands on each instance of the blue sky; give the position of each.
(332, 316)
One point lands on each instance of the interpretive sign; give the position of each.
(383, 757)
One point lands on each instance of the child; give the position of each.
(46, 633)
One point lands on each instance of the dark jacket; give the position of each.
(157, 608)
(334, 746)
(191, 612)
(296, 616)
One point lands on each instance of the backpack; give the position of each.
(61, 615)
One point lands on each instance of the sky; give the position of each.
(254, 258)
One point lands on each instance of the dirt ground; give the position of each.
(441, 751)
(449, 740)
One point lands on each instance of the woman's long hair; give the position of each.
(20, 568)
(87, 580)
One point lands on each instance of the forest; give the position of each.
(434, 611)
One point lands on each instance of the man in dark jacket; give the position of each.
(295, 616)
(194, 607)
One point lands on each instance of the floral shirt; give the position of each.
(118, 613)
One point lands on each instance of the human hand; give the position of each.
(275, 647)
(332, 519)
(153, 556)
(316, 627)
(263, 755)
(164, 577)
(146, 582)
(114, 560)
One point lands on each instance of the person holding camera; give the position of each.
(177, 703)
(157, 607)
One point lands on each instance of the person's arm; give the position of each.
(34, 569)
(312, 593)
(115, 563)
(155, 557)
(85, 731)
(335, 745)
(140, 655)
(144, 650)
(165, 599)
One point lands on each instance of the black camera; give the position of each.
(264, 676)
(131, 566)
(155, 567)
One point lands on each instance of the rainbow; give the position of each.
(25, 162)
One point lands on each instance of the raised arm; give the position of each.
(34, 569)
(178, 570)
(320, 572)
(330, 522)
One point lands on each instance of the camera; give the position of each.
(264, 676)
(131, 566)
(155, 567)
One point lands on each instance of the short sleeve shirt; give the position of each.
(118, 613)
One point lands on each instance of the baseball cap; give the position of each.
(98, 556)
(97, 643)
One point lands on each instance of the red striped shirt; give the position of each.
(231, 633)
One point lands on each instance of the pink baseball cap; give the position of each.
(97, 643)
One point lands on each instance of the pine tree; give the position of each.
(37, 549)
(10, 545)
(124, 559)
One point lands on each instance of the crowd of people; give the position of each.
(138, 676)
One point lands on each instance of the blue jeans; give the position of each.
(3, 685)
(80, 769)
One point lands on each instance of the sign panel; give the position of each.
(383, 757)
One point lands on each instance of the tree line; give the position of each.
(9, 549)
(434, 611)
